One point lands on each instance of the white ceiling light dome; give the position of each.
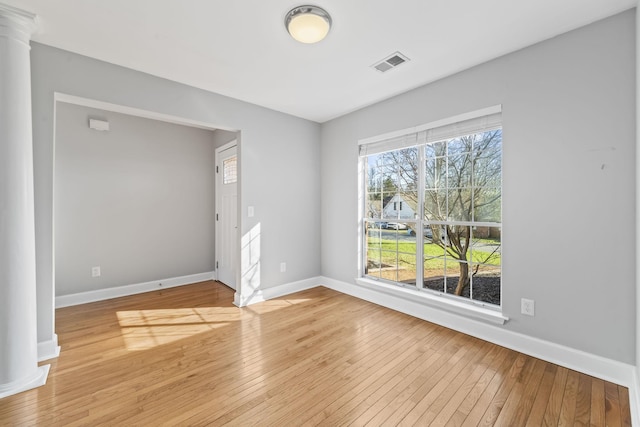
(308, 24)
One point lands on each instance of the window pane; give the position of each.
(374, 263)
(440, 236)
(488, 144)
(373, 209)
(434, 274)
(407, 204)
(372, 244)
(459, 171)
(487, 153)
(435, 173)
(456, 238)
(454, 270)
(459, 204)
(487, 172)
(389, 266)
(463, 144)
(486, 245)
(488, 205)
(391, 253)
(407, 269)
(230, 170)
(485, 284)
(435, 205)
(436, 149)
(433, 250)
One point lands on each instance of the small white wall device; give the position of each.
(101, 125)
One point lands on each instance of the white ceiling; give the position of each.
(241, 49)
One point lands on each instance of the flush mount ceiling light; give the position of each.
(308, 24)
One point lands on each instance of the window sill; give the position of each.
(435, 301)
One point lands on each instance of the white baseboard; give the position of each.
(634, 397)
(276, 291)
(590, 364)
(48, 349)
(138, 288)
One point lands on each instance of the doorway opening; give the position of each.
(104, 284)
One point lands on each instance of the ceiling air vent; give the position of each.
(390, 62)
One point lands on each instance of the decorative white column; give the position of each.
(19, 369)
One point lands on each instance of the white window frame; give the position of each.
(472, 122)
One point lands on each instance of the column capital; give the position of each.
(16, 23)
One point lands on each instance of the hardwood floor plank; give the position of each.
(352, 373)
(251, 393)
(552, 412)
(445, 394)
(509, 388)
(583, 401)
(393, 351)
(536, 415)
(280, 398)
(429, 392)
(400, 384)
(569, 399)
(597, 403)
(188, 356)
(469, 381)
(375, 386)
(475, 415)
(520, 401)
(612, 405)
(348, 402)
(433, 403)
(625, 408)
(479, 388)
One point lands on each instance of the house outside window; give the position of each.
(447, 239)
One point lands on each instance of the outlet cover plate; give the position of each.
(527, 307)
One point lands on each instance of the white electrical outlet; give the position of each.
(527, 307)
(283, 267)
(250, 211)
(95, 271)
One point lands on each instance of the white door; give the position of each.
(227, 214)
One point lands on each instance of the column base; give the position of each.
(37, 380)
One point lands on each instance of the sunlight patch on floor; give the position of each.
(296, 300)
(275, 304)
(146, 329)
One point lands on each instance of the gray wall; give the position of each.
(138, 200)
(568, 180)
(222, 137)
(278, 161)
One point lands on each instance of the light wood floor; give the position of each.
(187, 356)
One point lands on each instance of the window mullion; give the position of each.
(420, 219)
